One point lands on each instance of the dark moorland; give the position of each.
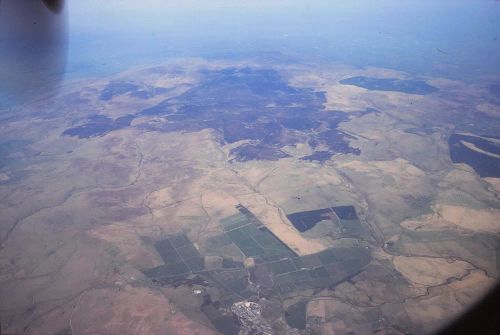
(306, 220)
(242, 104)
(396, 85)
(98, 125)
(485, 165)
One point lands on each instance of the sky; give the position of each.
(455, 38)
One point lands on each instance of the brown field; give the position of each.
(80, 217)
